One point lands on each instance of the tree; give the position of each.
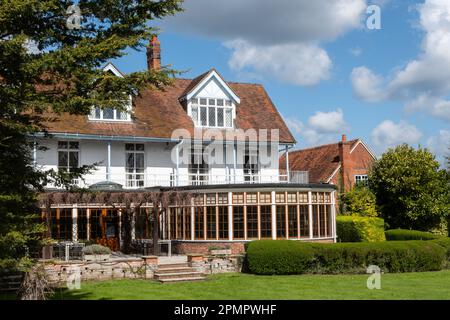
(50, 63)
(412, 191)
(360, 201)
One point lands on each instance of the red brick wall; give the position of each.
(203, 247)
(357, 162)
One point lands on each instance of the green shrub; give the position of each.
(278, 257)
(359, 229)
(401, 234)
(445, 243)
(359, 201)
(289, 257)
(96, 249)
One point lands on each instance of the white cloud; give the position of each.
(424, 83)
(279, 38)
(321, 128)
(390, 134)
(298, 64)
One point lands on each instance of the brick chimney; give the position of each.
(154, 54)
(344, 157)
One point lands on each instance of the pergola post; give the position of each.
(177, 164)
(234, 161)
(75, 223)
(108, 162)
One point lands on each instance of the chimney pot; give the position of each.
(154, 54)
(344, 138)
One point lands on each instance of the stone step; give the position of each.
(191, 274)
(173, 270)
(174, 280)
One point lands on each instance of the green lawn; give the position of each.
(426, 285)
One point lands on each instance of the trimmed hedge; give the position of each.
(281, 257)
(445, 243)
(96, 249)
(359, 229)
(402, 234)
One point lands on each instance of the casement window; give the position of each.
(252, 222)
(293, 221)
(68, 155)
(238, 222)
(109, 114)
(281, 221)
(361, 179)
(214, 113)
(223, 223)
(251, 164)
(304, 221)
(266, 222)
(198, 167)
(135, 164)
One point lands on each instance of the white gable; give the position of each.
(212, 89)
(213, 86)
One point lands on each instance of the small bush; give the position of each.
(445, 243)
(359, 229)
(96, 249)
(401, 234)
(359, 201)
(278, 257)
(289, 257)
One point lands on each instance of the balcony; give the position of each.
(145, 180)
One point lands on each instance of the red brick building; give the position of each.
(342, 164)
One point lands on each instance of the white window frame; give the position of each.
(361, 178)
(225, 107)
(134, 182)
(127, 112)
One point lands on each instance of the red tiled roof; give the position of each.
(158, 113)
(320, 161)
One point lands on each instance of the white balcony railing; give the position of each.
(145, 180)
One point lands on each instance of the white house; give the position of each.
(220, 140)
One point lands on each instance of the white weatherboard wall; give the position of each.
(158, 163)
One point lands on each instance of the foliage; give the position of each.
(47, 68)
(281, 257)
(359, 229)
(445, 243)
(401, 234)
(36, 285)
(96, 249)
(411, 191)
(360, 201)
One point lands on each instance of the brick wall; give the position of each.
(204, 247)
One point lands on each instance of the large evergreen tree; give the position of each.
(50, 63)
(411, 190)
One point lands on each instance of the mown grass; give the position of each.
(422, 286)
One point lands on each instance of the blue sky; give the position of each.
(326, 72)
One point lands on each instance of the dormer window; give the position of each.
(109, 114)
(214, 113)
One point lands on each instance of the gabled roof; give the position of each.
(203, 79)
(321, 162)
(157, 113)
